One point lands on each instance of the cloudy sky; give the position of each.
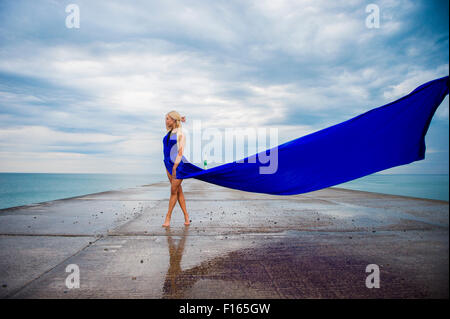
(93, 99)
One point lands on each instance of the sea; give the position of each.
(18, 189)
(430, 186)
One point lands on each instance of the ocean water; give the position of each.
(27, 188)
(431, 186)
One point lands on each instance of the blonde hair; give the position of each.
(177, 118)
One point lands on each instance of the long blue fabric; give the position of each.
(381, 138)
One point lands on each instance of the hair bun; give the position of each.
(183, 119)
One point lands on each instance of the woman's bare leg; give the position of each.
(168, 175)
(182, 203)
(174, 184)
(181, 200)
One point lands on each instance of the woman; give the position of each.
(174, 160)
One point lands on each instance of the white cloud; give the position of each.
(415, 77)
(228, 64)
(35, 137)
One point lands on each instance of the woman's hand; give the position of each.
(174, 173)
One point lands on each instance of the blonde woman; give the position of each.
(174, 144)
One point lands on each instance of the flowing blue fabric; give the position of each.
(384, 137)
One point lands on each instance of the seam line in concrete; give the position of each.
(11, 295)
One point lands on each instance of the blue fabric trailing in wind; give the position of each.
(384, 137)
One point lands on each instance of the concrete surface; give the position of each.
(239, 245)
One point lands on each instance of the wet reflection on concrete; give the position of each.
(299, 267)
(170, 288)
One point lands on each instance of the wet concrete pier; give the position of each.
(239, 245)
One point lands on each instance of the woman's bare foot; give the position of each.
(187, 223)
(166, 224)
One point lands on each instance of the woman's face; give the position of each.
(169, 121)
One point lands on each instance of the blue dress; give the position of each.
(383, 137)
(184, 168)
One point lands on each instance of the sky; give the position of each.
(93, 99)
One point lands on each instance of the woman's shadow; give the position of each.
(173, 284)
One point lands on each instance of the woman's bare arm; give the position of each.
(180, 145)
